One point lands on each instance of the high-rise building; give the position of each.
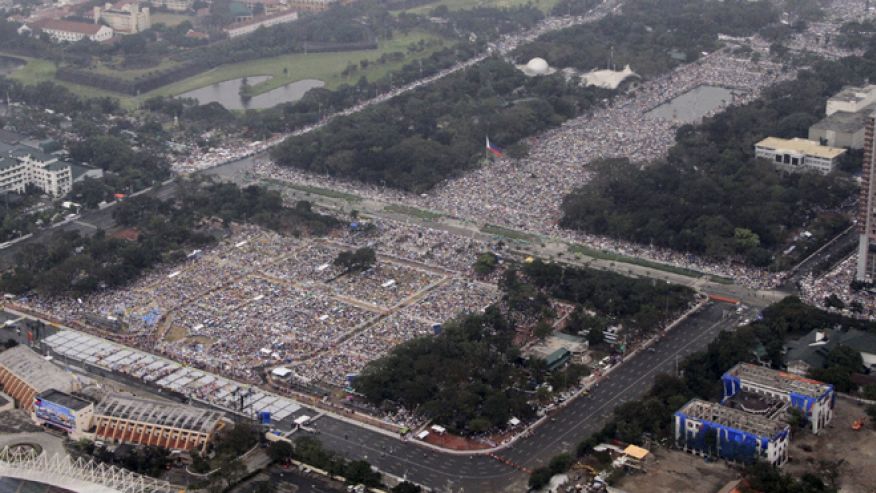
(866, 271)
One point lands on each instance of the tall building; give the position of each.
(125, 17)
(866, 270)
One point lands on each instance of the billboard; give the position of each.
(55, 414)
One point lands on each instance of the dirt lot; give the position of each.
(672, 471)
(857, 450)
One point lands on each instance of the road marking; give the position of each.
(616, 396)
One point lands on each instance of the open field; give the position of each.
(672, 471)
(326, 67)
(855, 451)
(543, 5)
(323, 66)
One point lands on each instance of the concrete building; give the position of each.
(65, 412)
(813, 398)
(811, 350)
(250, 26)
(122, 418)
(851, 99)
(841, 129)
(311, 5)
(68, 31)
(24, 165)
(798, 154)
(711, 429)
(24, 374)
(173, 5)
(125, 17)
(866, 268)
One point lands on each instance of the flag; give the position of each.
(494, 149)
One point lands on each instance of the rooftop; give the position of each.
(132, 408)
(732, 418)
(36, 371)
(844, 121)
(260, 19)
(801, 146)
(67, 26)
(813, 348)
(8, 137)
(779, 380)
(34, 153)
(852, 93)
(64, 399)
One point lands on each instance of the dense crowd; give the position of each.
(527, 193)
(259, 299)
(836, 284)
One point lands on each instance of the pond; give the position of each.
(9, 64)
(693, 105)
(227, 93)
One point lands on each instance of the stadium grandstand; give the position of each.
(24, 374)
(127, 419)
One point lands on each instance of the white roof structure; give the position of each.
(607, 79)
(35, 371)
(535, 67)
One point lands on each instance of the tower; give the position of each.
(866, 270)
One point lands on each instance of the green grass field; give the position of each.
(323, 66)
(326, 67)
(543, 5)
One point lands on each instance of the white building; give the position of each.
(311, 5)
(250, 26)
(173, 5)
(28, 166)
(813, 398)
(69, 31)
(124, 16)
(851, 99)
(798, 154)
(737, 436)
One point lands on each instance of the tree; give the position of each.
(595, 336)
(406, 487)
(356, 261)
(486, 263)
(280, 451)
(543, 329)
(539, 478)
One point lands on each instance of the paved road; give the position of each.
(579, 419)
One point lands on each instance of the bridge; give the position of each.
(78, 475)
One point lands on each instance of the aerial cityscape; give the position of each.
(282, 246)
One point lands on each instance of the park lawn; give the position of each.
(323, 66)
(37, 70)
(543, 5)
(326, 67)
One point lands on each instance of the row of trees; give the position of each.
(416, 140)
(710, 195)
(69, 264)
(649, 33)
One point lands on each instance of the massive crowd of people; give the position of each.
(527, 193)
(259, 299)
(833, 291)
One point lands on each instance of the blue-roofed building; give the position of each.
(710, 429)
(813, 398)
